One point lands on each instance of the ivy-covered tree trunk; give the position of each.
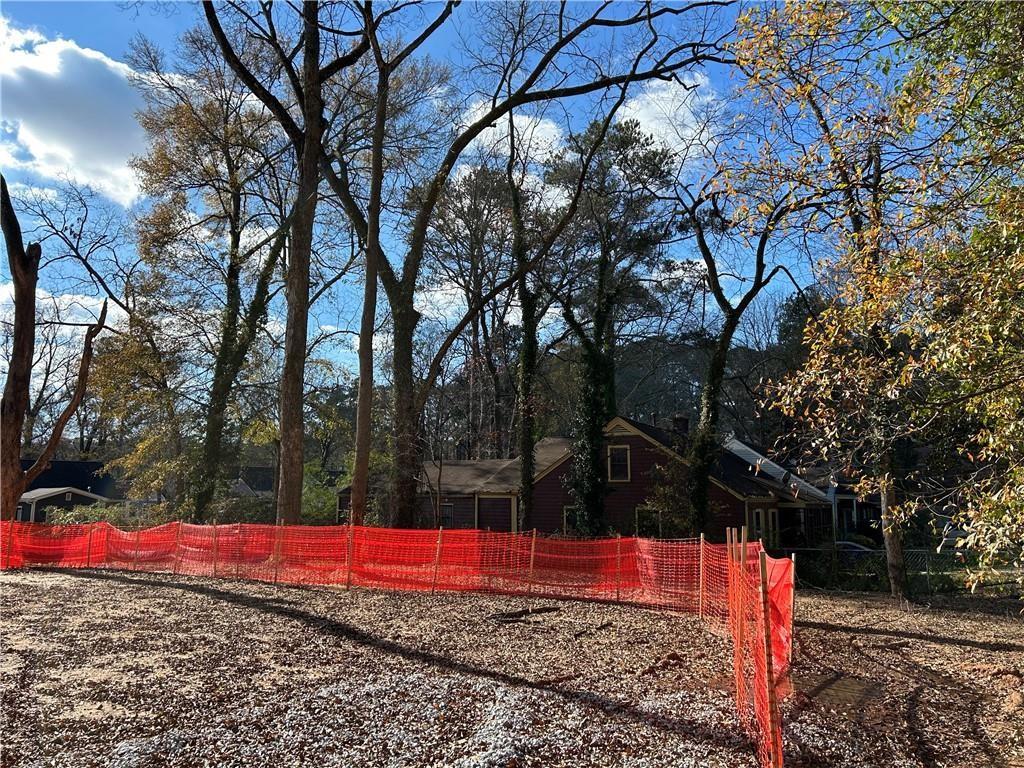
(704, 443)
(209, 471)
(526, 406)
(595, 408)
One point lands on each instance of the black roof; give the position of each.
(84, 475)
(259, 479)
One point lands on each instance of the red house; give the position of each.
(747, 488)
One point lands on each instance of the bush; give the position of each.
(124, 515)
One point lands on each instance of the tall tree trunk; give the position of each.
(407, 467)
(208, 472)
(364, 397)
(289, 496)
(704, 442)
(892, 534)
(527, 405)
(595, 408)
(368, 320)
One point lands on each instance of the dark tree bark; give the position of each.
(235, 345)
(704, 442)
(526, 406)
(373, 256)
(24, 266)
(408, 453)
(307, 142)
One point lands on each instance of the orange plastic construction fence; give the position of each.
(735, 590)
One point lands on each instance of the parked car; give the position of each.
(853, 548)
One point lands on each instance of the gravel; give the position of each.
(136, 670)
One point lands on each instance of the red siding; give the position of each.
(551, 495)
(494, 514)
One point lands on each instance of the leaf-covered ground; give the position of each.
(124, 669)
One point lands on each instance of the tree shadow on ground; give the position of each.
(984, 645)
(908, 697)
(987, 601)
(690, 729)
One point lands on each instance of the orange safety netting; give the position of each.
(733, 589)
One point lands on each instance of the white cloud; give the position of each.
(678, 114)
(74, 308)
(442, 301)
(537, 138)
(68, 111)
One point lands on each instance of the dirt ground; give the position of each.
(140, 670)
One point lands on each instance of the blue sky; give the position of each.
(66, 105)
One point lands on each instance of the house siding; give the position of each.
(44, 506)
(495, 514)
(551, 495)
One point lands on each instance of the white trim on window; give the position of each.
(629, 464)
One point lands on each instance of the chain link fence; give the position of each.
(928, 571)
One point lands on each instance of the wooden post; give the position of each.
(618, 566)
(533, 554)
(351, 552)
(177, 549)
(135, 557)
(700, 579)
(10, 540)
(792, 609)
(730, 580)
(773, 705)
(741, 608)
(437, 560)
(238, 548)
(215, 549)
(277, 551)
(88, 547)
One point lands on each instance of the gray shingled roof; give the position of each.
(464, 478)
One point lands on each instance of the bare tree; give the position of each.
(302, 117)
(24, 266)
(539, 55)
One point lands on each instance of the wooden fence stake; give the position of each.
(277, 550)
(177, 549)
(792, 609)
(773, 705)
(88, 547)
(533, 554)
(437, 560)
(700, 580)
(10, 541)
(351, 552)
(618, 566)
(135, 557)
(215, 553)
(741, 606)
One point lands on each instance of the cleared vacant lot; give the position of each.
(122, 669)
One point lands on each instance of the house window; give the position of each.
(447, 515)
(67, 496)
(618, 464)
(568, 518)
